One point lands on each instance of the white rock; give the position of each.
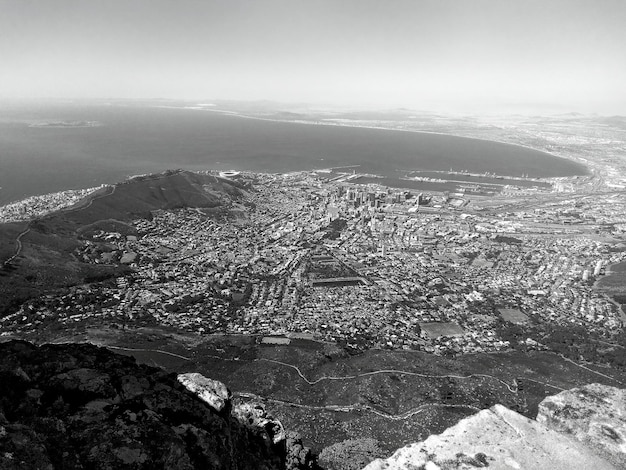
(498, 439)
(254, 416)
(594, 414)
(212, 392)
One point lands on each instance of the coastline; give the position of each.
(581, 169)
(583, 163)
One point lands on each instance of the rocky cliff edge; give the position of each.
(79, 406)
(582, 428)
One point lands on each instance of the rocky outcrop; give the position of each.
(79, 406)
(217, 396)
(213, 393)
(594, 415)
(499, 439)
(255, 417)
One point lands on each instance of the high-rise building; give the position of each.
(598, 268)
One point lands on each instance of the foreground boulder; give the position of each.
(79, 406)
(594, 415)
(212, 392)
(255, 417)
(498, 439)
(217, 396)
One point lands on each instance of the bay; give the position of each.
(36, 158)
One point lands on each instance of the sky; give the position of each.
(447, 55)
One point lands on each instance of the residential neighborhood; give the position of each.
(316, 255)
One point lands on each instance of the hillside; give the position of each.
(79, 406)
(140, 195)
(391, 397)
(46, 257)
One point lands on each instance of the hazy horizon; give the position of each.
(440, 55)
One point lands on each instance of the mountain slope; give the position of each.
(46, 249)
(79, 406)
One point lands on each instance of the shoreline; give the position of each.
(320, 123)
(66, 125)
(585, 166)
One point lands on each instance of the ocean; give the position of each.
(130, 140)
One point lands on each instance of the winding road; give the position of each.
(512, 388)
(388, 371)
(358, 407)
(591, 370)
(18, 245)
(77, 207)
(74, 208)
